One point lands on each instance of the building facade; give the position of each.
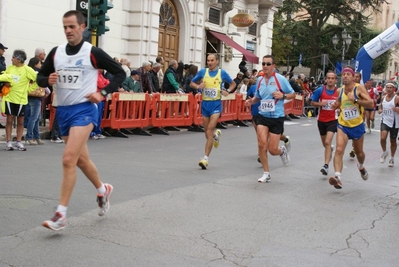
(185, 30)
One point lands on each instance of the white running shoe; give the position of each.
(332, 152)
(336, 182)
(384, 156)
(58, 222)
(285, 158)
(288, 144)
(324, 170)
(363, 173)
(391, 163)
(103, 200)
(19, 146)
(9, 146)
(265, 178)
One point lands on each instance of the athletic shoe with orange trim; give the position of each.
(103, 200)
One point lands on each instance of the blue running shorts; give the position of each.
(80, 114)
(209, 108)
(354, 133)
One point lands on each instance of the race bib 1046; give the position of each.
(70, 79)
(267, 105)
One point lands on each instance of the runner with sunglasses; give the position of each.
(271, 91)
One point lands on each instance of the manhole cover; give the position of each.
(19, 202)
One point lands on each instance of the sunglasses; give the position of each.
(267, 63)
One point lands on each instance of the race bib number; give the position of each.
(267, 105)
(328, 106)
(70, 79)
(387, 112)
(351, 113)
(210, 93)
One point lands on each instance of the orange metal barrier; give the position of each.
(141, 110)
(53, 111)
(106, 121)
(130, 110)
(243, 112)
(288, 107)
(229, 105)
(298, 103)
(172, 110)
(197, 116)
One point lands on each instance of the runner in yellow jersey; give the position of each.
(351, 99)
(211, 79)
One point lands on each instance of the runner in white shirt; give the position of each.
(390, 122)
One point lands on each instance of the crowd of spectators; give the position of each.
(152, 77)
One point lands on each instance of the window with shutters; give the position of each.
(252, 29)
(214, 16)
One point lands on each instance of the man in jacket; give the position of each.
(131, 83)
(170, 85)
(2, 59)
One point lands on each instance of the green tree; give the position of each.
(307, 21)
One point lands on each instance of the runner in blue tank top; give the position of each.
(273, 88)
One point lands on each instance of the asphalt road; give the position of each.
(166, 211)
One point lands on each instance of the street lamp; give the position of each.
(293, 42)
(346, 42)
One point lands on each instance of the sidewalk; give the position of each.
(44, 132)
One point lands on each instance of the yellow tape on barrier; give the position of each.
(229, 97)
(174, 97)
(131, 96)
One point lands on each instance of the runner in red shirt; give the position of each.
(370, 112)
(323, 97)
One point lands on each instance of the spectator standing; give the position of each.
(55, 129)
(294, 84)
(179, 72)
(126, 66)
(254, 74)
(14, 103)
(77, 109)
(145, 77)
(170, 82)
(3, 65)
(186, 67)
(102, 82)
(160, 72)
(237, 81)
(131, 83)
(156, 68)
(40, 54)
(272, 90)
(211, 107)
(33, 109)
(192, 71)
(243, 87)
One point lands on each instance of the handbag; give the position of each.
(39, 92)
